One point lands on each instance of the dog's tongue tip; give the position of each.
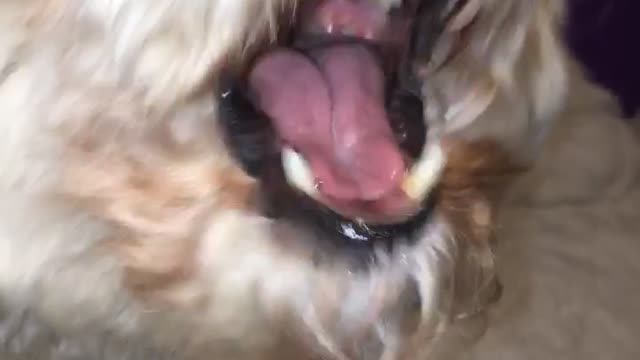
(376, 168)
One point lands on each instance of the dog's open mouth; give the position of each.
(331, 119)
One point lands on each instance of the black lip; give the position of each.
(343, 233)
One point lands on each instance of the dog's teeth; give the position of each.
(298, 172)
(425, 173)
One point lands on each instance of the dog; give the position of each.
(214, 179)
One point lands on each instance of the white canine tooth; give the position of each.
(298, 172)
(425, 173)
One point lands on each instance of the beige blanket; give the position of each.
(569, 253)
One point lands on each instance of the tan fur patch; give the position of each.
(467, 197)
(158, 206)
(469, 187)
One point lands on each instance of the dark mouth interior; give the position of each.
(251, 139)
(255, 143)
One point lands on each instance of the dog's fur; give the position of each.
(127, 231)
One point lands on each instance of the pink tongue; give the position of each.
(332, 112)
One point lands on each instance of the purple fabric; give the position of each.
(603, 34)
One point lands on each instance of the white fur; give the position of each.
(120, 69)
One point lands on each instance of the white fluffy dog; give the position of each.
(131, 229)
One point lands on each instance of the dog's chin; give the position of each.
(341, 298)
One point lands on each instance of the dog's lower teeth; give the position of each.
(298, 172)
(425, 173)
(418, 183)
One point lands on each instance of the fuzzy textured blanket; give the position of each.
(570, 241)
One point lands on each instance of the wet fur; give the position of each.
(127, 230)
